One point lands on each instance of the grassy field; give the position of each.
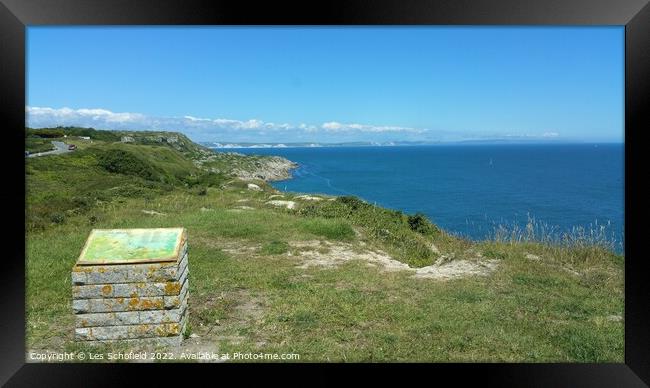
(334, 279)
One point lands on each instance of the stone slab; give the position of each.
(154, 342)
(128, 273)
(110, 305)
(129, 290)
(175, 301)
(131, 317)
(107, 319)
(172, 341)
(82, 306)
(130, 331)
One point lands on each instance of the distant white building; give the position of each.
(84, 137)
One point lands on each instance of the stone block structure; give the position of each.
(132, 285)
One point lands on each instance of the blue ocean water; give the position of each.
(469, 189)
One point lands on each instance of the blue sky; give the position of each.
(282, 84)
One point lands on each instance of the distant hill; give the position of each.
(266, 168)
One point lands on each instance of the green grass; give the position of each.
(275, 248)
(337, 230)
(36, 144)
(544, 302)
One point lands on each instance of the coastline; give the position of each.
(319, 176)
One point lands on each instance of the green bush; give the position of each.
(57, 218)
(406, 237)
(82, 202)
(35, 144)
(419, 223)
(92, 133)
(209, 179)
(353, 203)
(127, 163)
(47, 132)
(93, 219)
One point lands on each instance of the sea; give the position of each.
(472, 190)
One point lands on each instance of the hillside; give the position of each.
(330, 278)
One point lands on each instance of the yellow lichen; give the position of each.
(133, 303)
(107, 289)
(172, 288)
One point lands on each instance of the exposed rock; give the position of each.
(309, 198)
(530, 256)
(434, 248)
(272, 168)
(254, 187)
(153, 213)
(287, 204)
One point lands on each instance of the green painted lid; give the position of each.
(123, 246)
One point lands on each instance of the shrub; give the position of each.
(419, 223)
(209, 179)
(352, 202)
(48, 133)
(82, 202)
(57, 218)
(125, 162)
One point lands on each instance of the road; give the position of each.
(61, 148)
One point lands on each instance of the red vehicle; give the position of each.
(72, 147)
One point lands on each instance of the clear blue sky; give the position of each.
(332, 84)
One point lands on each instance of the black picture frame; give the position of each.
(15, 15)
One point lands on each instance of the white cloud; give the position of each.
(251, 130)
(106, 119)
(81, 115)
(334, 126)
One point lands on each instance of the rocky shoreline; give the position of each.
(271, 168)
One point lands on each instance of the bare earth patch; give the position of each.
(456, 269)
(337, 254)
(244, 310)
